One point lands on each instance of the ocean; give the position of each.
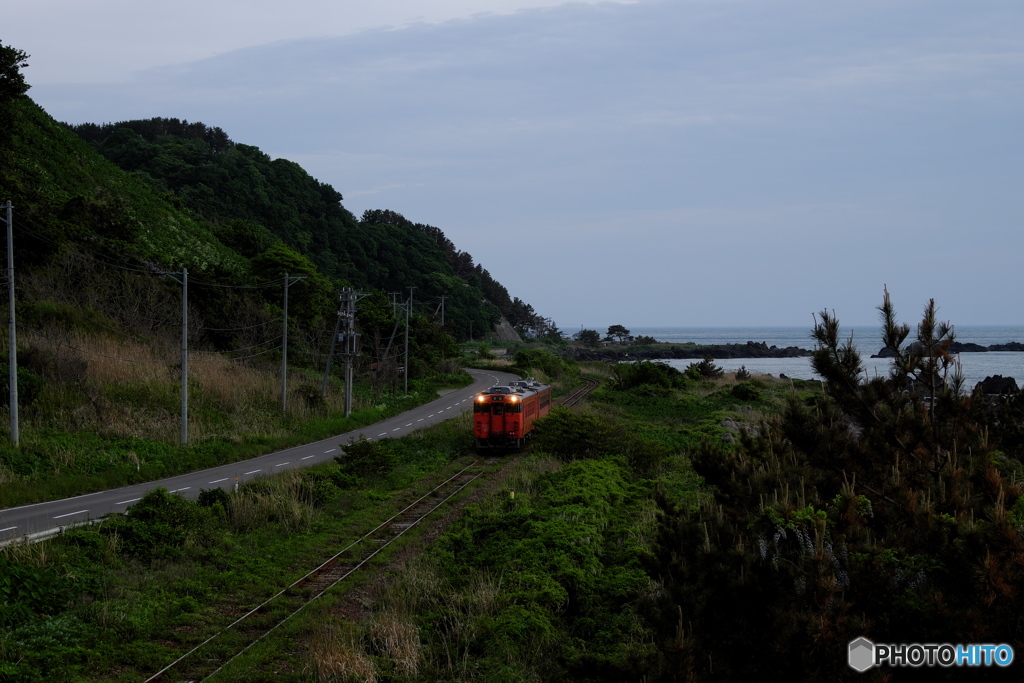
(868, 340)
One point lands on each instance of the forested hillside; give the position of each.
(253, 200)
(100, 254)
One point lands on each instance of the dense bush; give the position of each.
(366, 458)
(159, 525)
(570, 436)
(629, 375)
(705, 370)
(869, 511)
(27, 591)
(553, 366)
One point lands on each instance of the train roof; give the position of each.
(522, 386)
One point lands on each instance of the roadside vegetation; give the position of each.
(686, 517)
(108, 218)
(546, 578)
(120, 600)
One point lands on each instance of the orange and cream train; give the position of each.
(504, 417)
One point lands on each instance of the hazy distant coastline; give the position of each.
(749, 349)
(867, 339)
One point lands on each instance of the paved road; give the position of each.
(41, 518)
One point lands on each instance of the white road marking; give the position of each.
(253, 472)
(282, 464)
(10, 528)
(125, 502)
(30, 505)
(182, 489)
(409, 425)
(331, 450)
(308, 457)
(383, 434)
(217, 481)
(420, 420)
(396, 429)
(70, 513)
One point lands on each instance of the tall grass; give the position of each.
(126, 387)
(336, 656)
(288, 499)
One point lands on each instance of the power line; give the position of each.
(61, 342)
(100, 256)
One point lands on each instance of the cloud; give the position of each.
(778, 136)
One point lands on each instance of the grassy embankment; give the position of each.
(113, 422)
(120, 600)
(543, 579)
(545, 584)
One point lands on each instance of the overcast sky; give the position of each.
(690, 163)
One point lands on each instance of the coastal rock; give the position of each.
(961, 347)
(734, 427)
(717, 352)
(1012, 346)
(997, 384)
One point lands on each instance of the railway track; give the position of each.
(207, 659)
(579, 393)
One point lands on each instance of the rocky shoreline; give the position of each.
(716, 351)
(959, 347)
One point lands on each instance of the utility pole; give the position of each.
(330, 355)
(184, 351)
(351, 344)
(443, 297)
(184, 355)
(288, 282)
(344, 332)
(405, 372)
(12, 336)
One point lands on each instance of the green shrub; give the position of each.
(26, 591)
(630, 375)
(706, 370)
(541, 359)
(158, 525)
(210, 497)
(746, 391)
(365, 458)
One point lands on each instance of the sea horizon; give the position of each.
(867, 339)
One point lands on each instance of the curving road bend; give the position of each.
(31, 522)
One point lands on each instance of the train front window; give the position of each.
(481, 408)
(497, 409)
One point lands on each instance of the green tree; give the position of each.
(904, 525)
(705, 370)
(619, 332)
(311, 299)
(12, 81)
(12, 86)
(589, 337)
